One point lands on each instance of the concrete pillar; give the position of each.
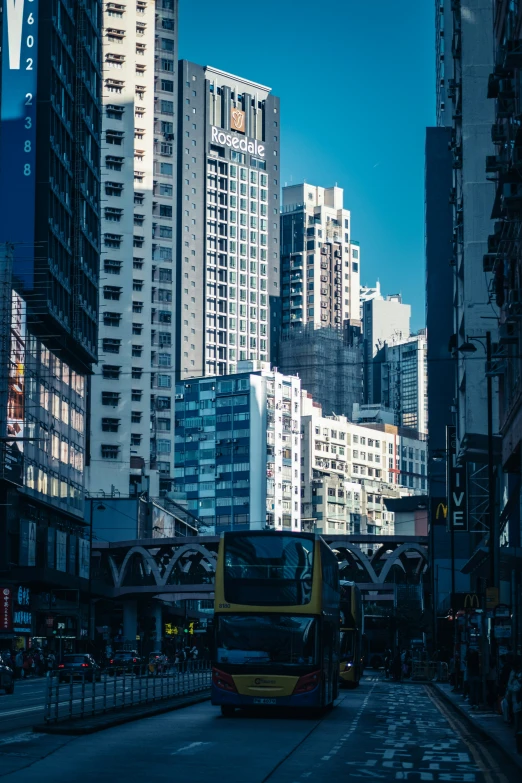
(130, 620)
(157, 613)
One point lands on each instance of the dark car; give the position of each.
(7, 678)
(125, 661)
(80, 665)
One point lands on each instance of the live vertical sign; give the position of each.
(457, 485)
(6, 620)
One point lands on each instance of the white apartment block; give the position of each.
(367, 293)
(320, 261)
(381, 460)
(131, 390)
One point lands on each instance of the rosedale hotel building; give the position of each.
(227, 303)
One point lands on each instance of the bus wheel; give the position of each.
(227, 710)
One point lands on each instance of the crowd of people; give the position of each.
(29, 663)
(501, 689)
(398, 666)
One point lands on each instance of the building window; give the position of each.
(137, 350)
(111, 346)
(110, 425)
(137, 372)
(111, 319)
(111, 292)
(109, 452)
(135, 417)
(110, 398)
(112, 266)
(136, 395)
(111, 372)
(135, 439)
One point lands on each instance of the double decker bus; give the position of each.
(351, 654)
(276, 621)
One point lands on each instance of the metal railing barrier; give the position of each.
(76, 696)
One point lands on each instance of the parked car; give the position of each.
(125, 661)
(79, 665)
(7, 678)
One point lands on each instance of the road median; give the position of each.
(108, 720)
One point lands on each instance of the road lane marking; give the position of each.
(191, 748)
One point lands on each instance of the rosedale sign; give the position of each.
(238, 143)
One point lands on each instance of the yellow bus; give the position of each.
(276, 621)
(351, 652)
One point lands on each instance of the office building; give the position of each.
(238, 449)
(385, 318)
(132, 387)
(404, 381)
(441, 363)
(459, 318)
(227, 287)
(348, 470)
(49, 230)
(503, 261)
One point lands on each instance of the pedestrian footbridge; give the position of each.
(183, 568)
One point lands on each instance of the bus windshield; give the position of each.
(266, 639)
(268, 570)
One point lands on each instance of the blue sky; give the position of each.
(356, 82)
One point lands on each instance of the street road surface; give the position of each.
(380, 732)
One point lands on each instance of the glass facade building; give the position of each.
(237, 449)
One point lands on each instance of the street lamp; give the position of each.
(468, 347)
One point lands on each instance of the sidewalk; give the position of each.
(488, 723)
(118, 717)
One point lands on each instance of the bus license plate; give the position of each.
(264, 701)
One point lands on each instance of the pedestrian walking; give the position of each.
(27, 665)
(473, 670)
(19, 662)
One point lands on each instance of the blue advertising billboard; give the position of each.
(18, 133)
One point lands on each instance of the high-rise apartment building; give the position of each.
(238, 449)
(50, 140)
(320, 263)
(227, 287)
(385, 318)
(131, 391)
(320, 273)
(404, 381)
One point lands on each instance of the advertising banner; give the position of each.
(18, 133)
(27, 550)
(61, 550)
(457, 485)
(51, 547)
(6, 618)
(13, 457)
(84, 553)
(72, 555)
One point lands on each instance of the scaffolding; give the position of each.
(329, 366)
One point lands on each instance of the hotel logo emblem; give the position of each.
(237, 120)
